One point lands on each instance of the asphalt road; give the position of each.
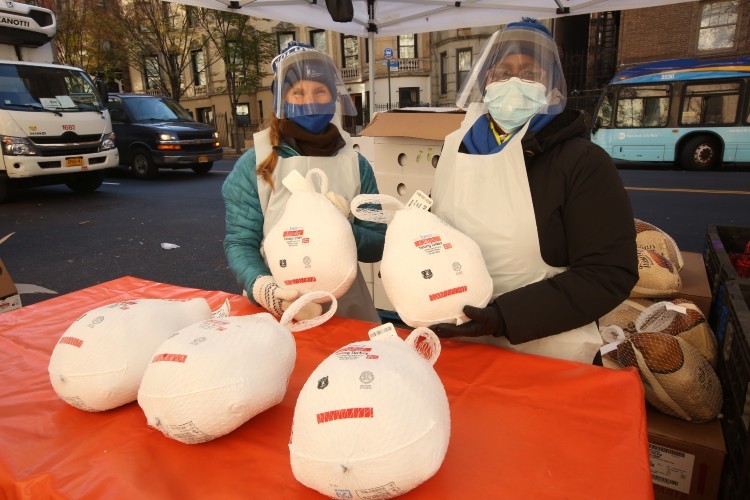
(63, 241)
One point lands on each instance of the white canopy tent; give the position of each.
(402, 17)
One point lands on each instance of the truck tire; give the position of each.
(143, 165)
(86, 182)
(202, 168)
(700, 153)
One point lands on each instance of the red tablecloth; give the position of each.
(522, 426)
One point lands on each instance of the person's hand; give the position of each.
(276, 299)
(339, 202)
(484, 321)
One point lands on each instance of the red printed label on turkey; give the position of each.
(430, 244)
(297, 281)
(293, 236)
(328, 416)
(71, 341)
(449, 292)
(178, 358)
(353, 352)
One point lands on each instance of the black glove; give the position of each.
(484, 321)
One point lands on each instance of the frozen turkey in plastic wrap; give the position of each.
(311, 247)
(430, 270)
(213, 376)
(372, 421)
(99, 361)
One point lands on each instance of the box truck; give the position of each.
(54, 125)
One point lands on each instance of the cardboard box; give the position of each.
(406, 147)
(695, 286)
(9, 297)
(686, 458)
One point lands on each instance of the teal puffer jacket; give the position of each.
(244, 220)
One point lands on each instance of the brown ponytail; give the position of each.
(267, 166)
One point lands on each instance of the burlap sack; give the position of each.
(650, 237)
(678, 380)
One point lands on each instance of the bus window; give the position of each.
(710, 104)
(604, 114)
(643, 106)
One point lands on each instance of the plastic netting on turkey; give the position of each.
(670, 345)
(99, 361)
(311, 247)
(678, 317)
(372, 421)
(213, 376)
(650, 237)
(430, 270)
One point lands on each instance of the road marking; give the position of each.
(675, 190)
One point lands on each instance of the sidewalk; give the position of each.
(231, 154)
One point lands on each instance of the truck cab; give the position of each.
(54, 126)
(155, 132)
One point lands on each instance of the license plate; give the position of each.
(203, 159)
(74, 162)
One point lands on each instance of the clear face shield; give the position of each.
(306, 82)
(524, 54)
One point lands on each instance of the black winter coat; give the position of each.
(585, 223)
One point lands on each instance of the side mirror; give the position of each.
(103, 92)
(117, 114)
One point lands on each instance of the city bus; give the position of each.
(692, 113)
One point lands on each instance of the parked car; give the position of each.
(153, 132)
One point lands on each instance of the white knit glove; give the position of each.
(276, 299)
(339, 202)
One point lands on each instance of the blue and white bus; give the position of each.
(693, 113)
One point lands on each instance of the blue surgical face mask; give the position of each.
(312, 117)
(513, 102)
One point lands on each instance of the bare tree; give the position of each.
(159, 38)
(84, 38)
(245, 51)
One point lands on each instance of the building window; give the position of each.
(283, 38)
(443, 72)
(710, 104)
(408, 96)
(718, 26)
(243, 114)
(407, 46)
(191, 16)
(198, 65)
(205, 115)
(260, 111)
(151, 72)
(643, 106)
(463, 62)
(318, 40)
(350, 46)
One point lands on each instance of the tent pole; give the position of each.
(371, 78)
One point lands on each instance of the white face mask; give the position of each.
(513, 102)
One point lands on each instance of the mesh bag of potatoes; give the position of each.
(677, 379)
(678, 317)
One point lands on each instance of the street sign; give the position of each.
(388, 53)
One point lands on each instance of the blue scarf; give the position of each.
(479, 140)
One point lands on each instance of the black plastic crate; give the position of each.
(734, 328)
(735, 478)
(720, 242)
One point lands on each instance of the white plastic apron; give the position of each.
(488, 198)
(343, 178)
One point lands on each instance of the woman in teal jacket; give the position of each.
(301, 137)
